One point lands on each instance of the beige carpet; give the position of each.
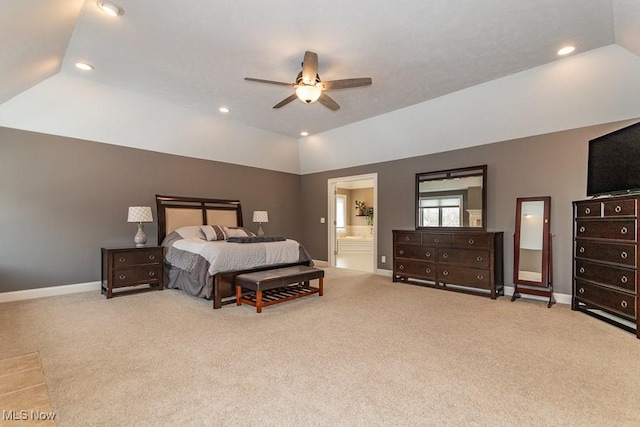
(369, 352)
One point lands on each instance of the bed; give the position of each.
(206, 247)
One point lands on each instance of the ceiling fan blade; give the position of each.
(347, 83)
(310, 67)
(271, 82)
(328, 102)
(285, 101)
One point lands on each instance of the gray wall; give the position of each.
(62, 199)
(547, 165)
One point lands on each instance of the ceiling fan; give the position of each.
(309, 88)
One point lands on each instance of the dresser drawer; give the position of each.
(128, 276)
(472, 240)
(408, 237)
(588, 210)
(623, 254)
(436, 239)
(474, 277)
(618, 302)
(608, 275)
(139, 257)
(467, 257)
(423, 253)
(418, 269)
(619, 208)
(612, 229)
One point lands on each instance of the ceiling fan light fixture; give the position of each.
(308, 93)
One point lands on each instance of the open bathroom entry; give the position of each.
(353, 204)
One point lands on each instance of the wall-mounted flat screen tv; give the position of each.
(614, 163)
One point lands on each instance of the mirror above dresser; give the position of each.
(452, 199)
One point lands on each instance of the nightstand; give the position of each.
(130, 266)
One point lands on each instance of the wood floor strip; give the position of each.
(24, 398)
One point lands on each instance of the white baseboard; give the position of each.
(49, 292)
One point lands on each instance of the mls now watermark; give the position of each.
(25, 415)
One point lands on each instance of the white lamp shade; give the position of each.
(140, 214)
(260, 216)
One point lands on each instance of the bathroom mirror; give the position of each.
(532, 248)
(453, 198)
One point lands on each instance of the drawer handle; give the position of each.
(581, 269)
(152, 273)
(624, 279)
(581, 250)
(624, 230)
(428, 270)
(480, 277)
(122, 259)
(445, 256)
(624, 304)
(618, 209)
(445, 273)
(471, 242)
(624, 255)
(587, 211)
(122, 277)
(479, 259)
(581, 290)
(436, 240)
(401, 252)
(428, 254)
(582, 229)
(152, 257)
(401, 267)
(406, 238)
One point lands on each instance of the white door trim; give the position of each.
(331, 215)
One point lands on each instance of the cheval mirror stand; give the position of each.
(532, 270)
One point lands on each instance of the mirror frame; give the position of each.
(451, 174)
(545, 279)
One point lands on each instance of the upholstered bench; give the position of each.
(281, 284)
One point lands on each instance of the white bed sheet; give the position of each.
(225, 256)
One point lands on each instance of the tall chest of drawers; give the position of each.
(471, 261)
(605, 260)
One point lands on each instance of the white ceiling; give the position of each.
(195, 54)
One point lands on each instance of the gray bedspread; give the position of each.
(192, 272)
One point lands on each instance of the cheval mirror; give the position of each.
(532, 249)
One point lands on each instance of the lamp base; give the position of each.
(141, 238)
(260, 232)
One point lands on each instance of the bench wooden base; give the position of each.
(276, 286)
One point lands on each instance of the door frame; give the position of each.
(332, 185)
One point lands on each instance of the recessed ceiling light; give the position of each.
(224, 110)
(110, 8)
(566, 50)
(304, 133)
(84, 66)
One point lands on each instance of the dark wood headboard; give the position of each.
(175, 212)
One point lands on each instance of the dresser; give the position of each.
(605, 260)
(126, 267)
(466, 261)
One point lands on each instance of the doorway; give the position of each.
(352, 227)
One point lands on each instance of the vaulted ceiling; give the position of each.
(195, 54)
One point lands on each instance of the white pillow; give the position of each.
(190, 231)
(213, 232)
(237, 232)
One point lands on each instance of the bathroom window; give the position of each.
(341, 213)
(441, 212)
